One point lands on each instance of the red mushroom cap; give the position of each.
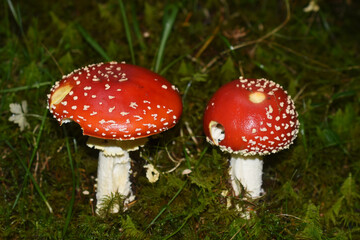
(116, 101)
(256, 115)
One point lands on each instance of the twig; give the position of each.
(288, 215)
(171, 157)
(299, 93)
(192, 135)
(53, 58)
(178, 162)
(176, 166)
(262, 38)
(303, 56)
(209, 40)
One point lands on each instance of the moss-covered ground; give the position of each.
(47, 173)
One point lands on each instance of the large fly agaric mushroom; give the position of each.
(117, 105)
(250, 118)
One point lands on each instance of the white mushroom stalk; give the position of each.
(246, 172)
(114, 169)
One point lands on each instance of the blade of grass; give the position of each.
(31, 178)
(229, 45)
(136, 26)
(172, 63)
(177, 193)
(166, 206)
(127, 30)
(15, 15)
(179, 228)
(22, 88)
(93, 43)
(186, 91)
(169, 19)
(28, 174)
(73, 193)
(191, 214)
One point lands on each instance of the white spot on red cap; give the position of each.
(138, 118)
(133, 105)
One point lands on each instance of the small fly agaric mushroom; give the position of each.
(117, 105)
(250, 118)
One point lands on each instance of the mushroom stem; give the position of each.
(246, 172)
(114, 169)
(114, 177)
